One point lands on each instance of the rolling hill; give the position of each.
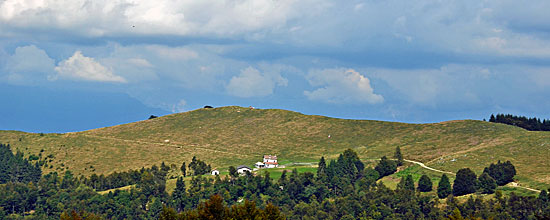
(234, 135)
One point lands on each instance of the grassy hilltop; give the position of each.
(234, 135)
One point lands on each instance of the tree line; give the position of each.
(531, 124)
(343, 188)
(17, 168)
(467, 182)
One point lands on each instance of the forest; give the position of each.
(343, 188)
(531, 124)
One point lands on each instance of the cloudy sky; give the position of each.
(410, 61)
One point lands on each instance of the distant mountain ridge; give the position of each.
(236, 135)
(67, 110)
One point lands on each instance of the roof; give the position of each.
(270, 157)
(271, 163)
(243, 166)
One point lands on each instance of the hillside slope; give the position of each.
(234, 135)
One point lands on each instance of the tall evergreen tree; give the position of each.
(544, 200)
(503, 173)
(155, 208)
(283, 179)
(233, 172)
(351, 156)
(179, 195)
(406, 183)
(487, 184)
(266, 182)
(465, 182)
(183, 169)
(322, 168)
(425, 184)
(398, 156)
(444, 187)
(386, 167)
(16, 168)
(193, 164)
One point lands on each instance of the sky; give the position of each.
(81, 64)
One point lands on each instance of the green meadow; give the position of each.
(232, 136)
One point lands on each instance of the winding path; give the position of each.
(513, 184)
(427, 167)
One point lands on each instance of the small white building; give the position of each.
(259, 165)
(242, 169)
(270, 161)
(215, 172)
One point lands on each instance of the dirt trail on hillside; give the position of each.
(512, 184)
(427, 167)
(161, 144)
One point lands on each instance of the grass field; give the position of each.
(231, 136)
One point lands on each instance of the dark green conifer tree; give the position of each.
(233, 172)
(386, 167)
(266, 182)
(406, 183)
(444, 187)
(283, 179)
(183, 169)
(487, 184)
(398, 156)
(321, 169)
(544, 198)
(193, 165)
(351, 156)
(425, 184)
(179, 194)
(503, 173)
(465, 182)
(409, 183)
(155, 208)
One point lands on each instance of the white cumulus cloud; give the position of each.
(252, 83)
(341, 86)
(111, 18)
(80, 67)
(28, 65)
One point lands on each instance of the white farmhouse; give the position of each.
(270, 161)
(242, 169)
